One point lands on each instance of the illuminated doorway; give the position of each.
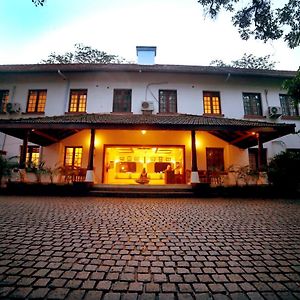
(163, 164)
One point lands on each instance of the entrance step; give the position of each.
(143, 191)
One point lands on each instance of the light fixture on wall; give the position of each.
(143, 132)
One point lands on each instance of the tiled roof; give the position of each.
(179, 121)
(188, 69)
(48, 130)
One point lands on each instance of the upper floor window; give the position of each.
(211, 103)
(289, 106)
(167, 101)
(215, 159)
(252, 104)
(3, 100)
(73, 156)
(78, 100)
(122, 100)
(36, 101)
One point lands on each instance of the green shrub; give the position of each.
(284, 170)
(6, 166)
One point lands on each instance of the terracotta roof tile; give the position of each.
(177, 120)
(48, 130)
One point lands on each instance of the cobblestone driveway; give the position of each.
(97, 248)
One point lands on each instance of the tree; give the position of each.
(260, 19)
(248, 61)
(83, 54)
(283, 170)
(38, 2)
(293, 87)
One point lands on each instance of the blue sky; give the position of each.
(179, 29)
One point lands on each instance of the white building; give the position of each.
(108, 122)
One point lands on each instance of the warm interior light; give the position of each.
(143, 131)
(97, 141)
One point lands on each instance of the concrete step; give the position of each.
(148, 191)
(140, 194)
(144, 191)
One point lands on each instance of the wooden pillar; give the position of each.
(194, 174)
(260, 152)
(22, 162)
(90, 168)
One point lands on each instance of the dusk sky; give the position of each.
(179, 29)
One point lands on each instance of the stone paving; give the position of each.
(109, 248)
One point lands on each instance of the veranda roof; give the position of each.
(45, 131)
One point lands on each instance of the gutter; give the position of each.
(64, 77)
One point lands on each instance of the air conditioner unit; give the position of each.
(147, 106)
(274, 111)
(13, 108)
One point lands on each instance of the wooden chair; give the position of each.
(204, 176)
(73, 174)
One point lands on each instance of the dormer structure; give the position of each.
(146, 55)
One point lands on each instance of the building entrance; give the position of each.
(144, 164)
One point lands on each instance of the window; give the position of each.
(122, 100)
(253, 159)
(212, 103)
(252, 104)
(78, 100)
(32, 155)
(73, 156)
(3, 100)
(36, 101)
(167, 101)
(289, 107)
(215, 159)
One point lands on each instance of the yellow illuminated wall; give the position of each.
(55, 153)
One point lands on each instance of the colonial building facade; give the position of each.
(106, 123)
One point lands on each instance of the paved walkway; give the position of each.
(97, 248)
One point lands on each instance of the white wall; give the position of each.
(145, 86)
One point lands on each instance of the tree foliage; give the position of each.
(38, 2)
(283, 170)
(83, 54)
(248, 61)
(293, 87)
(260, 19)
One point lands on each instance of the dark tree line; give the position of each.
(248, 61)
(83, 54)
(260, 19)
